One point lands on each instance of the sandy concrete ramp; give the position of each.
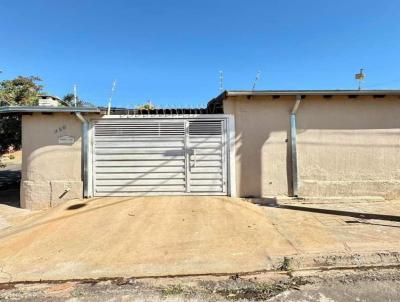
(146, 236)
(167, 236)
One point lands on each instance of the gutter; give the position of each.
(85, 152)
(293, 147)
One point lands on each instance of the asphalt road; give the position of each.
(378, 291)
(372, 285)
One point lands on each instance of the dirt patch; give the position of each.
(257, 291)
(259, 287)
(11, 158)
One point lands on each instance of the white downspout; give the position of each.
(85, 151)
(293, 146)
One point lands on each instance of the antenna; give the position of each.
(111, 94)
(221, 80)
(256, 79)
(75, 96)
(360, 77)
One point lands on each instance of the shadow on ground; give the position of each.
(10, 179)
(272, 202)
(10, 197)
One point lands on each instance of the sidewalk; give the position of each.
(332, 234)
(168, 236)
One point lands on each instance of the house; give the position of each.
(306, 143)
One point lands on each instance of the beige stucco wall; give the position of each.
(346, 147)
(51, 172)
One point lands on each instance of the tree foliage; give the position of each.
(20, 91)
(69, 100)
(147, 106)
(10, 133)
(17, 92)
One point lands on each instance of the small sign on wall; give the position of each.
(66, 140)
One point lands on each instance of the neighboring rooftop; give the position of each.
(47, 96)
(214, 106)
(47, 109)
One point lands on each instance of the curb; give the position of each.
(340, 261)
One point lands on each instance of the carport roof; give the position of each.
(47, 109)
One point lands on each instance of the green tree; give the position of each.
(147, 106)
(10, 133)
(17, 92)
(68, 100)
(20, 91)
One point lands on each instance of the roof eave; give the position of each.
(306, 92)
(47, 109)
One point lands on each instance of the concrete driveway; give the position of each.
(161, 236)
(140, 237)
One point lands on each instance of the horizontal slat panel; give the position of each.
(206, 182)
(195, 170)
(159, 193)
(205, 157)
(208, 151)
(207, 163)
(205, 127)
(145, 128)
(131, 133)
(140, 182)
(139, 126)
(140, 189)
(205, 145)
(122, 122)
(138, 138)
(143, 175)
(152, 144)
(208, 139)
(141, 151)
(205, 188)
(147, 157)
(140, 163)
(205, 176)
(124, 169)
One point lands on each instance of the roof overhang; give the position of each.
(47, 109)
(216, 103)
(228, 93)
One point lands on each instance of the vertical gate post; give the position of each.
(231, 156)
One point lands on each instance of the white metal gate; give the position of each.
(155, 156)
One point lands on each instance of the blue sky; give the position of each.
(171, 51)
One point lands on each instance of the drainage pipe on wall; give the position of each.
(85, 152)
(293, 146)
